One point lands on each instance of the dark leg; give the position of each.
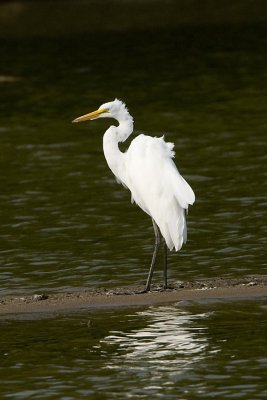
(156, 250)
(165, 270)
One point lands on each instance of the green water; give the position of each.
(183, 351)
(196, 74)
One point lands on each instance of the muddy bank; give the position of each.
(245, 288)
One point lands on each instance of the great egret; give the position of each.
(148, 171)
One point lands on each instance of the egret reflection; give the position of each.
(170, 341)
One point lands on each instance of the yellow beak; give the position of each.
(89, 116)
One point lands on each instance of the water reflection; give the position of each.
(209, 350)
(192, 352)
(169, 344)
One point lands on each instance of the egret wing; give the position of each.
(157, 187)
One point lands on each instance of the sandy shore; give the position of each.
(244, 288)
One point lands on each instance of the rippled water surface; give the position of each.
(65, 223)
(184, 351)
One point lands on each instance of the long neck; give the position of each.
(114, 135)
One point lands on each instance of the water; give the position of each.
(64, 221)
(185, 351)
(199, 76)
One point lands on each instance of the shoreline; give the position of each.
(250, 287)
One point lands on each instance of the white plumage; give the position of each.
(148, 171)
(157, 187)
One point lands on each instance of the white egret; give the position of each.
(148, 171)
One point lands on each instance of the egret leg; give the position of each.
(154, 257)
(165, 269)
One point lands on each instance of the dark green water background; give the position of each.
(198, 74)
(184, 351)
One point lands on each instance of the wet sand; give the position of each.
(250, 287)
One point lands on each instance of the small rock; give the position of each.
(39, 297)
(203, 285)
(252, 283)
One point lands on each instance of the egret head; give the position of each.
(113, 109)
